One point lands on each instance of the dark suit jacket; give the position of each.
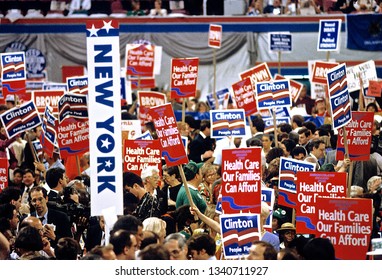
(199, 146)
(62, 223)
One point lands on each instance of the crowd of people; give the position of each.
(155, 8)
(44, 214)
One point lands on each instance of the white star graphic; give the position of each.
(107, 26)
(105, 143)
(108, 163)
(93, 31)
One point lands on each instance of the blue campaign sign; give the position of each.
(220, 94)
(280, 42)
(273, 93)
(339, 96)
(238, 233)
(227, 123)
(288, 170)
(328, 35)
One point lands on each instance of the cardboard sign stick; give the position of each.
(214, 85)
(327, 55)
(183, 110)
(350, 175)
(78, 165)
(279, 68)
(361, 106)
(181, 172)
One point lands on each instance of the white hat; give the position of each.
(376, 245)
(10, 98)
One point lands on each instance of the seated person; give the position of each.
(275, 9)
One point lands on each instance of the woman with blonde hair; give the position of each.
(205, 188)
(156, 225)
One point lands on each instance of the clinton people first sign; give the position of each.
(339, 96)
(227, 123)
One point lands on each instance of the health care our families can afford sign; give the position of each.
(13, 74)
(168, 134)
(140, 60)
(311, 185)
(245, 96)
(358, 135)
(73, 137)
(215, 36)
(227, 123)
(105, 116)
(241, 180)
(348, 223)
(3, 173)
(184, 77)
(339, 96)
(138, 154)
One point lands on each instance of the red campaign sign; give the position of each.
(138, 154)
(47, 97)
(148, 99)
(311, 185)
(140, 60)
(245, 96)
(142, 83)
(375, 89)
(348, 223)
(184, 77)
(241, 180)
(294, 87)
(71, 71)
(215, 36)
(358, 133)
(3, 173)
(168, 134)
(320, 70)
(17, 88)
(259, 73)
(73, 137)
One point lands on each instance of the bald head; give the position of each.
(31, 221)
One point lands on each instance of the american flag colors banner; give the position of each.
(20, 119)
(103, 61)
